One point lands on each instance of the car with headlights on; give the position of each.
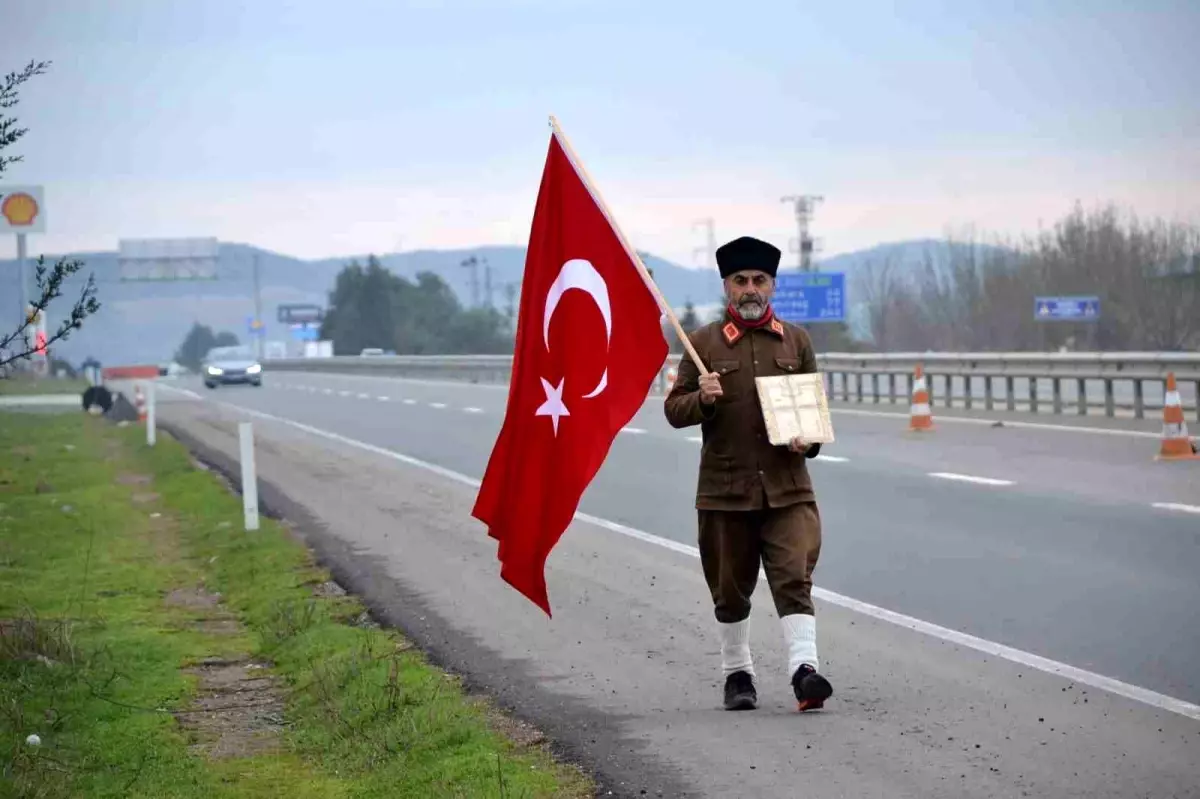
(225, 366)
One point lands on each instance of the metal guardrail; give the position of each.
(1130, 382)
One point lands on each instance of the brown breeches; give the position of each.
(785, 541)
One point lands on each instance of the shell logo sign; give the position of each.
(22, 209)
(19, 209)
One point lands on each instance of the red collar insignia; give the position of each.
(733, 332)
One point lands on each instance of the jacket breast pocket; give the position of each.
(727, 370)
(787, 366)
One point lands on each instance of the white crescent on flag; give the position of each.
(578, 273)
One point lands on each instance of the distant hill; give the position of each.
(146, 322)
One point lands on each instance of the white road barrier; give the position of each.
(1113, 383)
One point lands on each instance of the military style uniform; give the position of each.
(754, 500)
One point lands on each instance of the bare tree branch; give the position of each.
(49, 280)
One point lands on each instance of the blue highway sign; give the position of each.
(806, 297)
(1073, 309)
(304, 332)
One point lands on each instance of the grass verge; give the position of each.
(20, 385)
(158, 650)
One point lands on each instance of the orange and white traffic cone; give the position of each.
(1176, 444)
(139, 402)
(922, 416)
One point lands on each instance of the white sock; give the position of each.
(800, 635)
(735, 647)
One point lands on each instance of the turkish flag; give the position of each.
(589, 344)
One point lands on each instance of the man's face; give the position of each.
(749, 292)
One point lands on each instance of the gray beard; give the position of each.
(751, 311)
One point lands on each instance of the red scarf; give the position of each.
(761, 321)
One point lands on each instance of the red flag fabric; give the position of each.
(589, 344)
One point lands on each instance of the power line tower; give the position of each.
(804, 209)
(472, 263)
(710, 245)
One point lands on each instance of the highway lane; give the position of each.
(1070, 561)
(1103, 468)
(624, 673)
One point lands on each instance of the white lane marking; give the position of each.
(1176, 506)
(1063, 670)
(364, 396)
(696, 439)
(383, 399)
(637, 431)
(473, 410)
(343, 393)
(327, 391)
(970, 478)
(658, 398)
(410, 402)
(183, 391)
(437, 405)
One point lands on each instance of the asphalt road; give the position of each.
(1066, 561)
(1074, 546)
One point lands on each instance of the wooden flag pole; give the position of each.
(637, 261)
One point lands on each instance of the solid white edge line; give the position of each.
(1179, 506)
(633, 430)
(832, 459)
(970, 478)
(1018, 656)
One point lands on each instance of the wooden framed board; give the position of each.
(795, 406)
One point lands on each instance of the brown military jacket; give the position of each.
(738, 465)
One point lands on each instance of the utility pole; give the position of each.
(710, 243)
(804, 209)
(487, 283)
(472, 263)
(258, 321)
(510, 310)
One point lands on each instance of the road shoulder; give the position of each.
(622, 678)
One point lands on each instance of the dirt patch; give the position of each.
(520, 733)
(237, 712)
(26, 451)
(127, 479)
(193, 598)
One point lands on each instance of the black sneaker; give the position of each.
(811, 688)
(739, 692)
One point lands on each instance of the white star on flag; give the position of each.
(553, 406)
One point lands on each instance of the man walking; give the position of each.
(755, 501)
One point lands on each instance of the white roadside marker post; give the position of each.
(151, 403)
(249, 479)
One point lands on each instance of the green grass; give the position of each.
(19, 385)
(93, 656)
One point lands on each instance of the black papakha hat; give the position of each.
(747, 252)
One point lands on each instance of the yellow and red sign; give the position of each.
(22, 209)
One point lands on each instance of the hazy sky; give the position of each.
(321, 127)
